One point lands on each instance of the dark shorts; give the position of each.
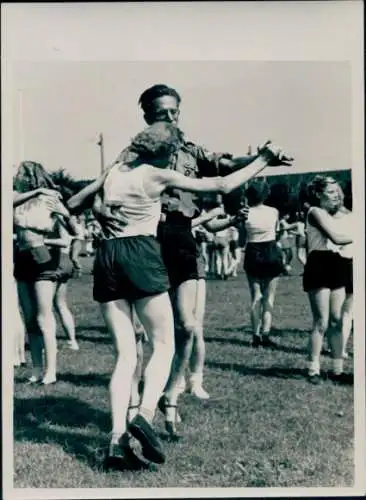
(263, 260)
(323, 269)
(179, 251)
(36, 264)
(65, 270)
(129, 268)
(348, 274)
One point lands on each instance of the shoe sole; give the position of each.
(149, 451)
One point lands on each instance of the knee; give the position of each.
(320, 325)
(335, 323)
(257, 300)
(268, 303)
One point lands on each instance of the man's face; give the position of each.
(164, 109)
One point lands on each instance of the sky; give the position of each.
(61, 107)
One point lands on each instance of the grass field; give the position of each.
(264, 426)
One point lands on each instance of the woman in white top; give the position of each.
(262, 261)
(324, 277)
(129, 270)
(19, 335)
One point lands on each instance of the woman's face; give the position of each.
(330, 198)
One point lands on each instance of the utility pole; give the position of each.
(101, 145)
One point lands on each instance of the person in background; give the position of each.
(324, 279)
(36, 265)
(19, 336)
(262, 262)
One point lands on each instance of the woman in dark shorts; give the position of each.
(129, 270)
(262, 261)
(324, 276)
(344, 215)
(36, 265)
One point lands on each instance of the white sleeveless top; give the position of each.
(345, 225)
(316, 239)
(261, 224)
(125, 193)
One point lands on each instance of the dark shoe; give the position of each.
(143, 432)
(267, 342)
(121, 456)
(315, 379)
(170, 427)
(257, 341)
(325, 351)
(342, 378)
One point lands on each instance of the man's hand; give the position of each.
(274, 155)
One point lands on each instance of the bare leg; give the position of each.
(269, 293)
(117, 316)
(225, 261)
(184, 303)
(45, 292)
(156, 315)
(19, 334)
(28, 304)
(65, 315)
(197, 358)
(255, 308)
(347, 317)
(337, 298)
(319, 303)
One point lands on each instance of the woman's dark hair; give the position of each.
(316, 188)
(159, 140)
(32, 175)
(257, 192)
(149, 95)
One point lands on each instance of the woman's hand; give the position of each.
(49, 192)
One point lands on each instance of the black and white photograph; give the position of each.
(183, 250)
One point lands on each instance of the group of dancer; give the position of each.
(149, 272)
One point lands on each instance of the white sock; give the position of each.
(314, 367)
(337, 366)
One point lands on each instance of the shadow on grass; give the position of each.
(87, 379)
(245, 343)
(33, 416)
(273, 371)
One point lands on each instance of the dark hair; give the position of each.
(257, 192)
(32, 175)
(159, 140)
(316, 188)
(149, 95)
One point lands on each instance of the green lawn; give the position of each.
(264, 426)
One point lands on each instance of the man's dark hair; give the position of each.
(149, 95)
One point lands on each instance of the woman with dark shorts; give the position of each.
(344, 215)
(129, 270)
(36, 266)
(262, 261)
(324, 274)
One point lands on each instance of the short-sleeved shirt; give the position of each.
(190, 160)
